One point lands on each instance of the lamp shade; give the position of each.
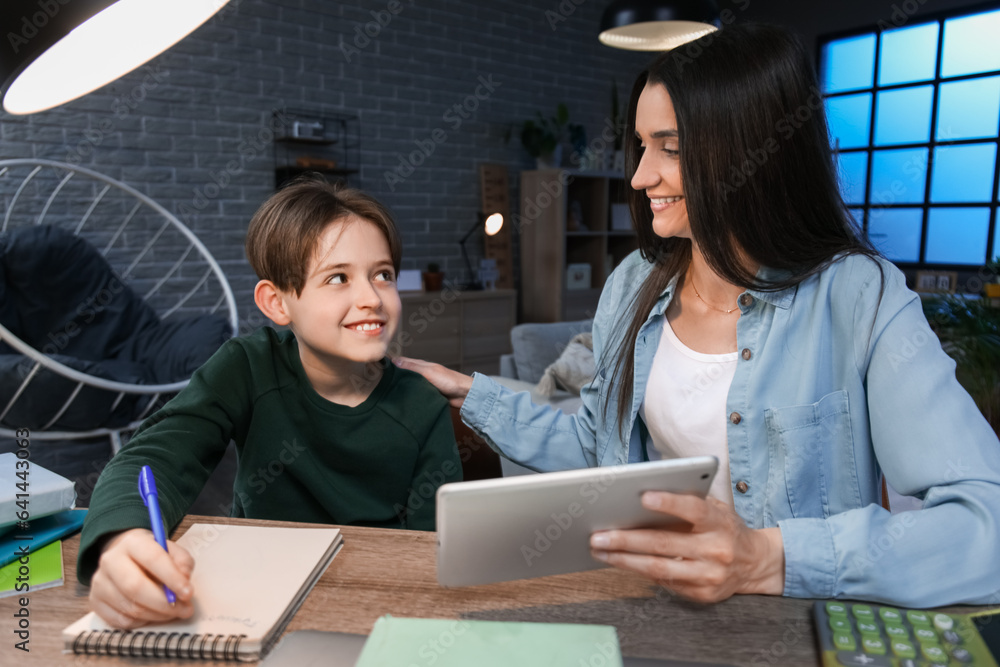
(646, 25)
(493, 224)
(58, 50)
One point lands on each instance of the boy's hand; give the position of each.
(452, 384)
(127, 589)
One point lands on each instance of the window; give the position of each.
(914, 113)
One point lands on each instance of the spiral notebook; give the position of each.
(248, 583)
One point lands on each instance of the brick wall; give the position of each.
(434, 83)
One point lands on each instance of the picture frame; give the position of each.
(621, 219)
(409, 280)
(936, 282)
(578, 276)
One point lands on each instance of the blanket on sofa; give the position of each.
(573, 369)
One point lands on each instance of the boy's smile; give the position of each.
(349, 308)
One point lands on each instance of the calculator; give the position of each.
(870, 635)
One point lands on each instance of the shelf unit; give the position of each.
(566, 218)
(324, 143)
(465, 331)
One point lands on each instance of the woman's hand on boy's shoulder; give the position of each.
(453, 385)
(127, 588)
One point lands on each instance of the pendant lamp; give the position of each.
(55, 51)
(645, 25)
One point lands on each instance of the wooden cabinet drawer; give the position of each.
(468, 330)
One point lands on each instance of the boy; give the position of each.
(327, 430)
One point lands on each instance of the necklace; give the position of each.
(721, 310)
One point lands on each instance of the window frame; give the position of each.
(925, 206)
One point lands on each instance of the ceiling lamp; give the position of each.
(58, 50)
(639, 25)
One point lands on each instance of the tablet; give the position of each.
(536, 525)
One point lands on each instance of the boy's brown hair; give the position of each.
(284, 231)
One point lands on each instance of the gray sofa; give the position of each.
(535, 346)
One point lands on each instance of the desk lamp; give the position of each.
(59, 50)
(490, 225)
(647, 25)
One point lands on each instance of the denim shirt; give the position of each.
(839, 380)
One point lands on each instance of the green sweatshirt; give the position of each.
(300, 456)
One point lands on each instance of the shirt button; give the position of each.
(742, 486)
(735, 417)
(746, 300)
(746, 354)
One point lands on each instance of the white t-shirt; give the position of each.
(685, 406)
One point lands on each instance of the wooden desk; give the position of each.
(382, 571)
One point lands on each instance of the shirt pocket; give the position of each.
(811, 474)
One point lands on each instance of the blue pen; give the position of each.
(147, 489)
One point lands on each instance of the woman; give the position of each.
(754, 324)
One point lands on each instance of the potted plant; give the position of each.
(618, 128)
(969, 331)
(992, 288)
(433, 277)
(542, 138)
(581, 156)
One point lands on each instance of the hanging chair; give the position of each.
(108, 303)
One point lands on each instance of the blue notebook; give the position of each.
(39, 533)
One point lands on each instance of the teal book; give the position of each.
(39, 533)
(28, 489)
(459, 643)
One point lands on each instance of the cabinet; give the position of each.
(466, 331)
(304, 141)
(570, 218)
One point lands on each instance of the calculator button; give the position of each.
(844, 641)
(890, 615)
(934, 653)
(926, 635)
(951, 637)
(961, 655)
(896, 631)
(873, 645)
(862, 660)
(903, 649)
(866, 628)
(943, 622)
(836, 609)
(918, 617)
(863, 612)
(840, 624)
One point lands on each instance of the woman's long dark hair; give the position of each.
(758, 175)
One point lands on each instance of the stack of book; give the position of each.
(36, 510)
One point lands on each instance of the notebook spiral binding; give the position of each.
(139, 644)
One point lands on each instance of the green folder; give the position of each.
(44, 570)
(460, 643)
